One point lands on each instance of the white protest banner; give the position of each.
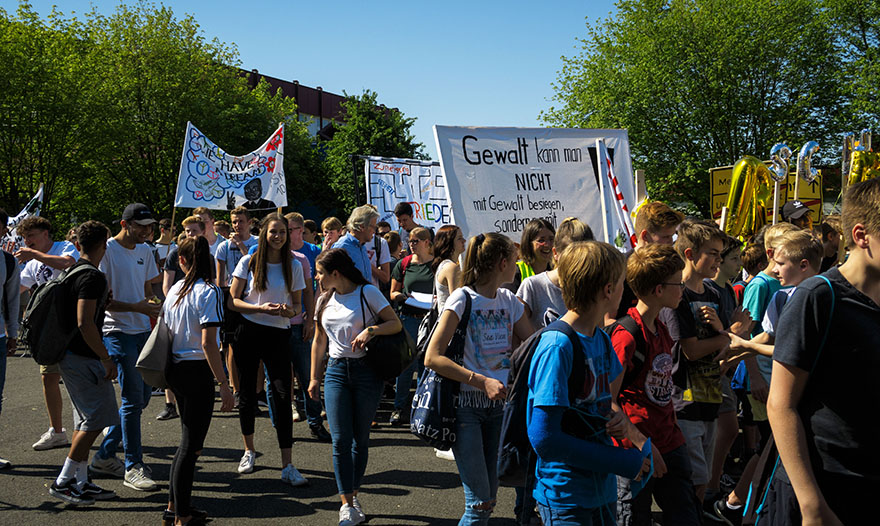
(499, 179)
(212, 178)
(617, 226)
(420, 183)
(11, 242)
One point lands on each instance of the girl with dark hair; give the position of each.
(536, 251)
(449, 244)
(346, 322)
(193, 311)
(496, 323)
(267, 291)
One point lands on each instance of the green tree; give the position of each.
(369, 129)
(856, 28)
(700, 83)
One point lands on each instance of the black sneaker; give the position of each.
(396, 418)
(321, 434)
(727, 515)
(96, 492)
(69, 493)
(168, 413)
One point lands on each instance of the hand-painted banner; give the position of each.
(11, 242)
(499, 179)
(212, 178)
(419, 183)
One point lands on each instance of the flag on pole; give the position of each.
(11, 242)
(620, 231)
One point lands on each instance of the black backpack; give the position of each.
(516, 461)
(641, 352)
(46, 328)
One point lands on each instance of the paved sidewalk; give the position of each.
(405, 483)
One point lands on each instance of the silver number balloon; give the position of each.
(804, 162)
(779, 156)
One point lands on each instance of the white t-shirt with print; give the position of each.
(275, 290)
(229, 252)
(489, 340)
(37, 273)
(127, 271)
(201, 307)
(343, 319)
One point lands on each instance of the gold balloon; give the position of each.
(864, 166)
(750, 194)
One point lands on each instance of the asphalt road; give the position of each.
(404, 484)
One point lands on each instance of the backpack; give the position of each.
(641, 352)
(10, 262)
(516, 461)
(46, 330)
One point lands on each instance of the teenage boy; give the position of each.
(696, 326)
(87, 369)
(310, 232)
(43, 261)
(656, 223)
(228, 255)
(298, 243)
(825, 372)
(754, 260)
(575, 474)
(654, 273)
(797, 214)
(208, 232)
(404, 214)
(130, 268)
(828, 233)
(10, 297)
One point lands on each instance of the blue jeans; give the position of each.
(301, 358)
(602, 516)
(2, 369)
(477, 434)
(124, 350)
(402, 394)
(351, 393)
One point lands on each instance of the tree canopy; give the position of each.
(700, 83)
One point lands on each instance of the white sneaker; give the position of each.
(349, 516)
(356, 504)
(247, 462)
(50, 439)
(107, 466)
(291, 475)
(137, 478)
(445, 455)
(297, 416)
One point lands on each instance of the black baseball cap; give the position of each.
(794, 210)
(138, 213)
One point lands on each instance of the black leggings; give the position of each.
(271, 345)
(193, 384)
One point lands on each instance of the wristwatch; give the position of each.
(370, 330)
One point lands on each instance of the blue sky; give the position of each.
(469, 63)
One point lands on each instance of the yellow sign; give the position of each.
(809, 193)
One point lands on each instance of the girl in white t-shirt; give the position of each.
(351, 389)
(449, 244)
(193, 311)
(267, 290)
(496, 324)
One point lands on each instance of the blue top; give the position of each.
(358, 253)
(560, 484)
(311, 252)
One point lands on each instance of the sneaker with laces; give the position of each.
(396, 418)
(356, 504)
(297, 416)
(445, 455)
(247, 461)
(138, 478)
(349, 516)
(50, 440)
(90, 489)
(291, 475)
(727, 515)
(168, 413)
(107, 466)
(68, 492)
(320, 434)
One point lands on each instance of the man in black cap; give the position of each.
(130, 268)
(798, 214)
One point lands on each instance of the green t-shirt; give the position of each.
(418, 278)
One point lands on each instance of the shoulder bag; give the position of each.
(388, 354)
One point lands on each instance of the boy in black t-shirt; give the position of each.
(697, 327)
(86, 362)
(826, 365)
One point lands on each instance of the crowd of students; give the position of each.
(647, 366)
